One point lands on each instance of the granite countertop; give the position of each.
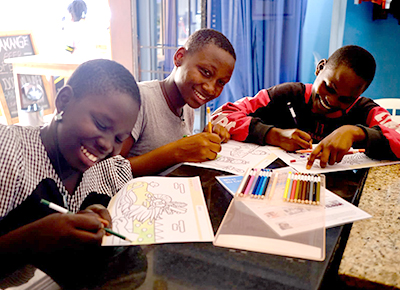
(372, 255)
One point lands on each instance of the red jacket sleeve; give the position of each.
(234, 116)
(381, 118)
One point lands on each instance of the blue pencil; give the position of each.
(257, 183)
(265, 186)
(260, 185)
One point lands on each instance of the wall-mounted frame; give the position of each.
(12, 97)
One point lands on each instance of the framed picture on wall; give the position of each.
(33, 89)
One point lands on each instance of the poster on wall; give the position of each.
(18, 44)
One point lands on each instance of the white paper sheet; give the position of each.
(151, 210)
(298, 161)
(235, 157)
(338, 211)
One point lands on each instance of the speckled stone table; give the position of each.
(371, 258)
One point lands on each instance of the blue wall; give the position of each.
(316, 34)
(382, 39)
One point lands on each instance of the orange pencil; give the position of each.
(348, 152)
(294, 185)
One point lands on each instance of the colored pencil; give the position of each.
(318, 188)
(290, 186)
(252, 175)
(253, 182)
(313, 178)
(64, 210)
(257, 183)
(272, 191)
(348, 152)
(266, 183)
(294, 186)
(285, 194)
(243, 183)
(209, 120)
(310, 189)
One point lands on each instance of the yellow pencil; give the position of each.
(209, 120)
(287, 186)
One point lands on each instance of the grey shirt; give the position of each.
(157, 125)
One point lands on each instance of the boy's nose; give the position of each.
(211, 89)
(106, 145)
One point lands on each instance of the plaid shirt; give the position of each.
(24, 163)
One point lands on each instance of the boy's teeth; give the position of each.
(324, 105)
(199, 95)
(88, 154)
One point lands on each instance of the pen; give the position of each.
(209, 120)
(64, 210)
(289, 104)
(348, 152)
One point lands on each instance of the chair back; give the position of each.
(392, 105)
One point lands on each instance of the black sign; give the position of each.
(17, 46)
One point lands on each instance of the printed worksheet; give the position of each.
(152, 210)
(338, 211)
(298, 161)
(235, 157)
(286, 218)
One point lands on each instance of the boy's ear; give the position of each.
(320, 66)
(63, 98)
(179, 55)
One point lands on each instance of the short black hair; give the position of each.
(357, 58)
(103, 76)
(205, 36)
(78, 10)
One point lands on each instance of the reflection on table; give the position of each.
(203, 266)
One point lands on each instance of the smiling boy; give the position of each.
(73, 163)
(202, 67)
(329, 112)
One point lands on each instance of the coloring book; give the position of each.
(152, 210)
(235, 157)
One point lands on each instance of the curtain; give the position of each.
(266, 35)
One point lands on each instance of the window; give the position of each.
(161, 27)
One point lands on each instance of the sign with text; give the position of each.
(17, 45)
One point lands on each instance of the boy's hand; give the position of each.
(101, 212)
(333, 147)
(222, 132)
(58, 231)
(289, 139)
(197, 148)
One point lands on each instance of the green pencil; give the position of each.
(64, 210)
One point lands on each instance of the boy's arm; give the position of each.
(242, 127)
(383, 135)
(196, 148)
(381, 139)
(335, 146)
(234, 116)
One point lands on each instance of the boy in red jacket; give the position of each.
(329, 112)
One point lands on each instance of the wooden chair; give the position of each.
(392, 105)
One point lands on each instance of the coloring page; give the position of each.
(235, 157)
(151, 210)
(298, 161)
